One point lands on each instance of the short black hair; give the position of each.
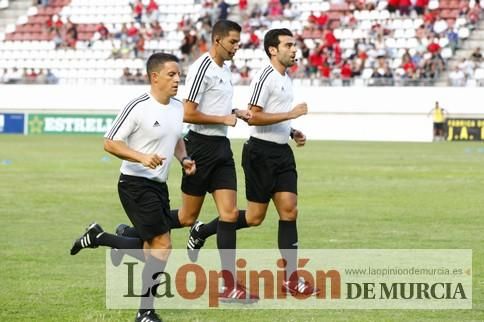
(156, 60)
(271, 38)
(222, 28)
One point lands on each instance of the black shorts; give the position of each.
(269, 168)
(438, 126)
(215, 164)
(147, 205)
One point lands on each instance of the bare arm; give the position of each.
(259, 117)
(181, 154)
(122, 151)
(194, 116)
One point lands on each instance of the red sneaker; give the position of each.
(299, 287)
(238, 294)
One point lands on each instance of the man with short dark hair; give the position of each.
(146, 135)
(208, 109)
(268, 160)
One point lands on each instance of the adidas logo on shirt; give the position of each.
(156, 124)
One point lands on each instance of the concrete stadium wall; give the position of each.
(354, 113)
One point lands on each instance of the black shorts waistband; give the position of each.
(267, 143)
(141, 179)
(194, 134)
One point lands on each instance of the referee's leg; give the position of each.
(225, 201)
(157, 250)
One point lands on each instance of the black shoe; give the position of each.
(148, 316)
(116, 254)
(88, 239)
(194, 242)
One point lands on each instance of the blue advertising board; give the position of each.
(12, 123)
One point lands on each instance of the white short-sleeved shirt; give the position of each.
(148, 127)
(210, 86)
(272, 92)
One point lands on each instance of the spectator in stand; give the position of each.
(152, 11)
(103, 31)
(139, 47)
(392, 5)
(254, 40)
(188, 42)
(404, 7)
(13, 76)
(325, 73)
(420, 6)
(139, 77)
(223, 8)
(346, 73)
(243, 5)
(457, 77)
(453, 38)
(127, 77)
(312, 18)
(476, 55)
(50, 78)
(274, 8)
(138, 11)
(429, 18)
(29, 76)
(467, 66)
(433, 47)
(157, 30)
(315, 61)
(71, 35)
(329, 39)
(322, 20)
(382, 76)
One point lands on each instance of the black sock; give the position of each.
(241, 220)
(174, 220)
(131, 232)
(210, 228)
(149, 277)
(226, 243)
(120, 242)
(128, 245)
(287, 241)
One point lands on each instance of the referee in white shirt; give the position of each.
(146, 135)
(208, 109)
(267, 158)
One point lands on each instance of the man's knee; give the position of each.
(254, 221)
(160, 246)
(230, 215)
(289, 214)
(187, 218)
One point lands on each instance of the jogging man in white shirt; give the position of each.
(208, 107)
(146, 135)
(268, 160)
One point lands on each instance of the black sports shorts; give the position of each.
(215, 164)
(147, 204)
(269, 168)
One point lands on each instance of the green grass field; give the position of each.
(352, 195)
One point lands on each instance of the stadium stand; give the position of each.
(353, 42)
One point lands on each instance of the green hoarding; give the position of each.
(69, 123)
